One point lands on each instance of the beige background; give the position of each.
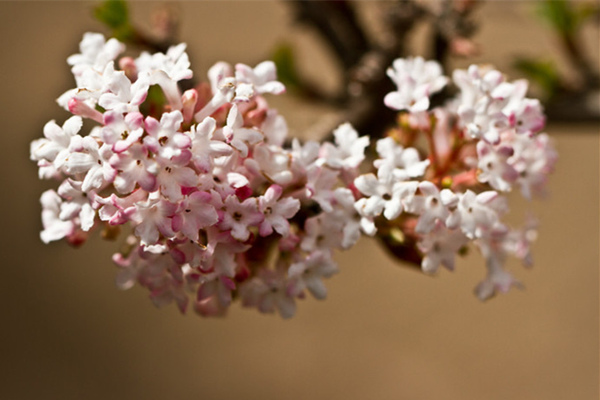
(385, 332)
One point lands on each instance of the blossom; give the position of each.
(349, 151)
(494, 166)
(440, 246)
(431, 206)
(239, 216)
(416, 80)
(263, 77)
(55, 146)
(221, 208)
(397, 162)
(238, 136)
(307, 274)
(276, 211)
(164, 137)
(204, 147)
(476, 213)
(55, 228)
(194, 213)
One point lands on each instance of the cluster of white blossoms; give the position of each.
(217, 208)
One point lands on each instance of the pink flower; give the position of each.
(134, 167)
(164, 139)
(276, 211)
(153, 218)
(194, 213)
(239, 216)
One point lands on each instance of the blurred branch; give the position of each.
(452, 29)
(567, 19)
(338, 26)
(364, 63)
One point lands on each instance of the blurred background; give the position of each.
(385, 331)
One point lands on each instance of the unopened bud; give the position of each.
(79, 107)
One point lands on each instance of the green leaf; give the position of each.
(586, 11)
(284, 59)
(567, 16)
(154, 103)
(542, 72)
(115, 15)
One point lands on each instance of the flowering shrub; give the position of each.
(219, 206)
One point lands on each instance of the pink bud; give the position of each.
(189, 99)
(78, 107)
(127, 65)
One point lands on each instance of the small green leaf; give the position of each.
(284, 59)
(154, 103)
(543, 73)
(560, 14)
(115, 15)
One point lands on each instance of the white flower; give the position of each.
(476, 213)
(533, 159)
(440, 246)
(90, 161)
(171, 180)
(349, 149)
(95, 54)
(238, 136)
(175, 63)
(55, 228)
(494, 167)
(122, 131)
(398, 163)
(497, 279)
(416, 80)
(384, 195)
(204, 146)
(55, 147)
(119, 93)
(307, 274)
(431, 206)
(263, 77)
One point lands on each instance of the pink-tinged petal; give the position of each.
(273, 193)
(367, 184)
(147, 232)
(266, 228)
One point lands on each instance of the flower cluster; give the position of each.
(218, 207)
(483, 142)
